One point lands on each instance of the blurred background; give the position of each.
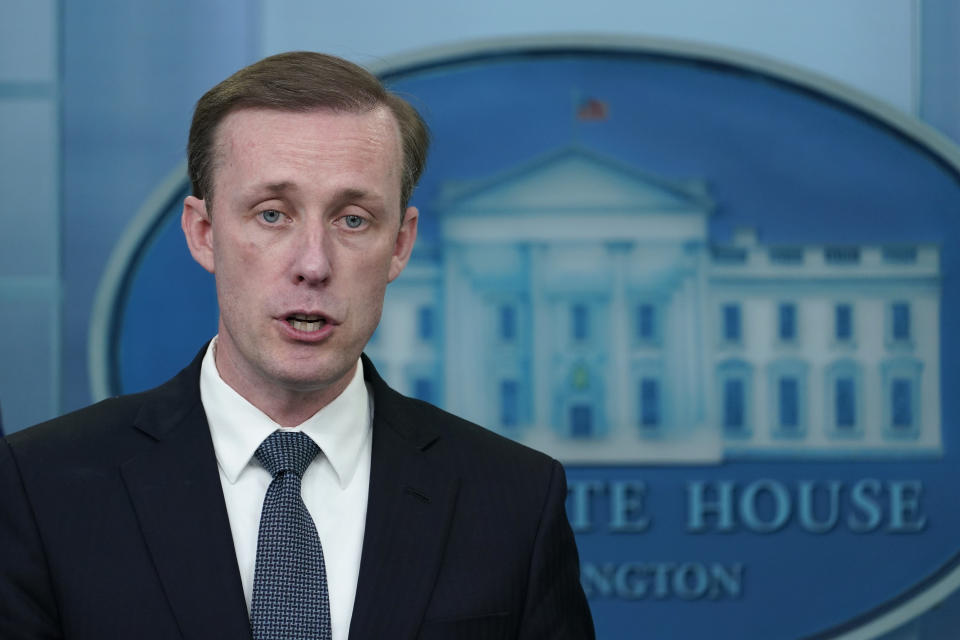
(96, 98)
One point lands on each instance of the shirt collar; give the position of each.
(237, 427)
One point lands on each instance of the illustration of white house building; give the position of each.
(578, 305)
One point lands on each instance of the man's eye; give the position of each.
(353, 222)
(270, 215)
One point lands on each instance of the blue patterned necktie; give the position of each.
(290, 599)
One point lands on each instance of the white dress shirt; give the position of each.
(334, 485)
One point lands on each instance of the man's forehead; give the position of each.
(243, 126)
(267, 126)
(377, 117)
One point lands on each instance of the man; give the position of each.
(164, 514)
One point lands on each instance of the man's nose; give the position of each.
(312, 258)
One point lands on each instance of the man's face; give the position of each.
(305, 233)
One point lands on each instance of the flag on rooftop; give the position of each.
(593, 109)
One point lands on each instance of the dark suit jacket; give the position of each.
(113, 525)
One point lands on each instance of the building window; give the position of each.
(787, 322)
(580, 322)
(786, 255)
(789, 407)
(787, 397)
(845, 403)
(734, 398)
(509, 403)
(581, 421)
(843, 400)
(732, 329)
(734, 405)
(646, 322)
(650, 403)
(423, 389)
(842, 255)
(843, 323)
(729, 255)
(901, 389)
(900, 255)
(900, 321)
(901, 403)
(425, 323)
(508, 322)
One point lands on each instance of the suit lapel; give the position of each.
(409, 511)
(176, 493)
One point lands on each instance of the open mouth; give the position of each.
(307, 323)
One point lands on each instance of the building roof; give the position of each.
(573, 179)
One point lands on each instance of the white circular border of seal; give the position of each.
(887, 617)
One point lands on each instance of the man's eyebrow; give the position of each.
(354, 194)
(284, 187)
(259, 191)
(271, 188)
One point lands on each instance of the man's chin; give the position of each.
(314, 381)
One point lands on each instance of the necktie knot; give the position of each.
(287, 451)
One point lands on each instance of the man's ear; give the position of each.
(198, 230)
(404, 245)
